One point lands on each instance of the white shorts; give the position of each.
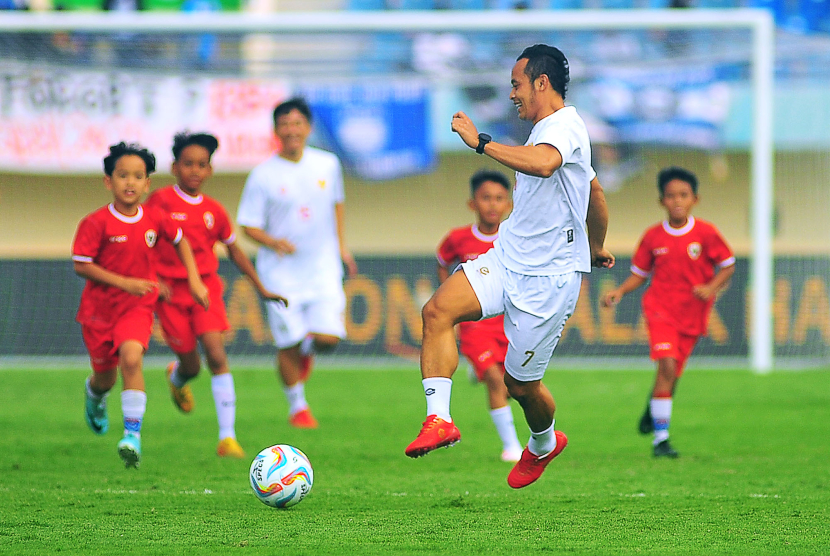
(324, 314)
(536, 309)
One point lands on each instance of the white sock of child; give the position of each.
(503, 420)
(296, 398)
(224, 396)
(133, 406)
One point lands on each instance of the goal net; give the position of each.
(691, 88)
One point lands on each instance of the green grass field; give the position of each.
(753, 476)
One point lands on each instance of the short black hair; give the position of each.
(488, 175)
(124, 149)
(296, 103)
(184, 139)
(547, 60)
(675, 173)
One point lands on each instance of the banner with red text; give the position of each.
(54, 121)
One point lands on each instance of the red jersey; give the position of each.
(123, 245)
(678, 259)
(462, 245)
(204, 222)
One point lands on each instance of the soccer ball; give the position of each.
(281, 476)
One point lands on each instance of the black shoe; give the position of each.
(646, 425)
(664, 450)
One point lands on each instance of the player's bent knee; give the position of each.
(130, 354)
(324, 343)
(518, 390)
(432, 313)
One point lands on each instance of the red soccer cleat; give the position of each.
(303, 419)
(305, 367)
(435, 433)
(530, 467)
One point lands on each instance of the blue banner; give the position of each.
(379, 131)
(670, 107)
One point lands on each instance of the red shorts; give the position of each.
(484, 345)
(183, 320)
(666, 341)
(103, 340)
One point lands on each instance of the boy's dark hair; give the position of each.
(547, 60)
(184, 139)
(296, 103)
(123, 149)
(487, 175)
(675, 173)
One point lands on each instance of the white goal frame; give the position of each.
(759, 22)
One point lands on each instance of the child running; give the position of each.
(483, 343)
(681, 255)
(112, 249)
(204, 222)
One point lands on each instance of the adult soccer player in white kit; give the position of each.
(293, 206)
(534, 272)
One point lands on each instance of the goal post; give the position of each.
(757, 22)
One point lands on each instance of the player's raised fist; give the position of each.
(465, 128)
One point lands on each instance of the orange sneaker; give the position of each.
(303, 419)
(530, 467)
(435, 433)
(182, 397)
(305, 367)
(230, 448)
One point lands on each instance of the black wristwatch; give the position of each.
(483, 139)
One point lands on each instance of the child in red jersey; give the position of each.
(483, 343)
(681, 255)
(112, 249)
(204, 222)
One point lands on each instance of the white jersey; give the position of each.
(296, 201)
(546, 233)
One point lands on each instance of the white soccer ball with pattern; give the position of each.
(281, 476)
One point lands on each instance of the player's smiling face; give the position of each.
(192, 168)
(678, 200)
(522, 92)
(491, 203)
(292, 130)
(129, 182)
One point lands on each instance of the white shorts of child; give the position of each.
(324, 313)
(536, 309)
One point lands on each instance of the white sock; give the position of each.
(661, 416)
(296, 398)
(307, 345)
(177, 379)
(542, 443)
(503, 419)
(438, 391)
(224, 396)
(93, 394)
(133, 406)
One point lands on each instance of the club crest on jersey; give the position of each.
(150, 237)
(209, 220)
(694, 250)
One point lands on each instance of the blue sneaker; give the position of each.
(129, 450)
(96, 414)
